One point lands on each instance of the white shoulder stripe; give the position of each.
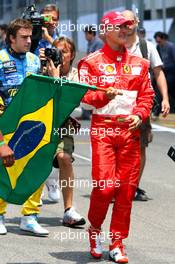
(94, 54)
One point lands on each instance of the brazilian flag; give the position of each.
(30, 127)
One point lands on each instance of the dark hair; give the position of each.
(49, 8)
(141, 30)
(90, 29)
(66, 41)
(4, 27)
(161, 35)
(15, 25)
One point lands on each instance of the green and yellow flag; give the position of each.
(29, 126)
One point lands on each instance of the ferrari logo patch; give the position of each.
(127, 69)
(131, 69)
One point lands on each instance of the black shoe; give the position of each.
(140, 195)
(71, 218)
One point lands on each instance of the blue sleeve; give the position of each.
(41, 44)
(39, 64)
(36, 52)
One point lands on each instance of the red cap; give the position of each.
(115, 18)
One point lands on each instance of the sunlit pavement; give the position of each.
(169, 121)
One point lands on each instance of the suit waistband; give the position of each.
(119, 120)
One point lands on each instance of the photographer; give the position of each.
(16, 62)
(49, 33)
(65, 148)
(48, 36)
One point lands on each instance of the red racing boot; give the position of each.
(117, 252)
(95, 243)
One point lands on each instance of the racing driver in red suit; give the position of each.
(115, 137)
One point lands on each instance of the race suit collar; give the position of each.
(113, 54)
(20, 56)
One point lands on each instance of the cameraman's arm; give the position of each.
(52, 70)
(41, 54)
(46, 36)
(43, 61)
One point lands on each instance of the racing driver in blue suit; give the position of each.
(16, 62)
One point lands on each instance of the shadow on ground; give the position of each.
(26, 263)
(78, 257)
(47, 221)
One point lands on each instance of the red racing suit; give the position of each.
(115, 150)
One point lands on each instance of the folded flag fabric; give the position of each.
(29, 126)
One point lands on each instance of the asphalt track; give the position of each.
(152, 233)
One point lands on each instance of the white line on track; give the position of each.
(81, 157)
(162, 128)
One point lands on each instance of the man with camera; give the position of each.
(49, 30)
(16, 62)
(59, 65)
(49, 34)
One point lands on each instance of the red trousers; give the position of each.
(115, 173)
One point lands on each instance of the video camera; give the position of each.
(55, 55)
(38, 21)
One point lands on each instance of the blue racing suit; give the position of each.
(13, 69)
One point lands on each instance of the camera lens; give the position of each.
(55, 55)
(48, 52)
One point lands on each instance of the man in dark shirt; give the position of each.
(94, 43)
(166, 51)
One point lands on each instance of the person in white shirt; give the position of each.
(133, 44)
(63, 156)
